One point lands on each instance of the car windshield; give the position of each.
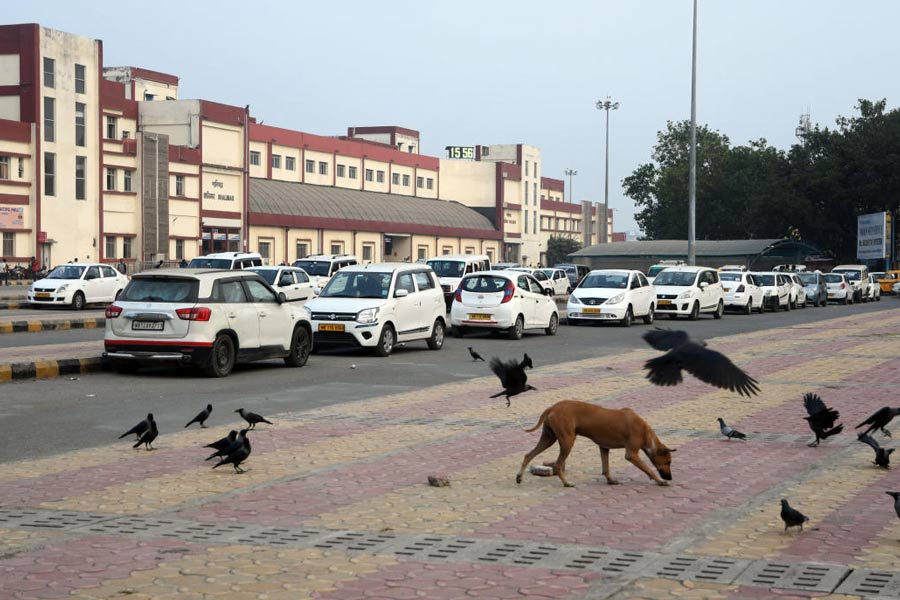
(319, 268)
(654, 271)
(485, 284)
(160, 289)
(880, 275)
(808, 278)
(66, 272)
(833, 278)
(267, 274)
(202, 262)
(357, 284)
(605, 280)
(850, 274)
(730, 276)
(448, 268)
(675, 278)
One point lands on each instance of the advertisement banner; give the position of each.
(870, 236)
(12, 217)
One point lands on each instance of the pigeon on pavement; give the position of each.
(821, 419)
(148, 436)
(730, 432)
(224, 442)
(882, 455)
(791, 516)
(879, 420)
(231, 447)
(201, 417)
(252, 418)
(475, 356)
(706, 365)
(896, 497)
(139, 429)
(235, 458)
(512, 378)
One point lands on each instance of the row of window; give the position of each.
(112, 247)
(535, 169)
(350, 172)
(6, 167)
(50, 75)
(112, 123)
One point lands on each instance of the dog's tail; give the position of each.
(544, 417)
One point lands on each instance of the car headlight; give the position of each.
(685, 294)
(574, 300)
(63, 287)
(616, 299)
(368, 315)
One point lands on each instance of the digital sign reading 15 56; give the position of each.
(466, 152)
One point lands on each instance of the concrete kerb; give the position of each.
(36, 325)
(43, 369)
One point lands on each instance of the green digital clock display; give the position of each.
(463, 152)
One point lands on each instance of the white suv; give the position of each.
(379, 305)
(858, 276)
(320, 267)
(689, 291)
(227, 260)
(207, 318)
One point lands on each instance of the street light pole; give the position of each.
(692, 176)
(570, 173)
(606, 105)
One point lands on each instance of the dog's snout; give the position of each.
(666, 475)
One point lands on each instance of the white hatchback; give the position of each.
(741, 291)
(612, 295)
(689, 291)
(292, 281)
(77, 284)
(503, 300)
(839, 288)
(559, 280)
(541, 277)
(776, 290)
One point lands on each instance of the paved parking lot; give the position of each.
(335, 502)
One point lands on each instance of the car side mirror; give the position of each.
(703, 285)
(548, 292)
(281, 298)
(401, 293)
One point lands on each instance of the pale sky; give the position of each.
(494, 72)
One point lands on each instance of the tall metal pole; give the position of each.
(606, 175)
(570, 173)
(692, 177)
(606, 105)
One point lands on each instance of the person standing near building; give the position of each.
(4, 270)
(123, 269)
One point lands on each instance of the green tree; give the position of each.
(559, 248)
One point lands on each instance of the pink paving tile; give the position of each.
(461, 580)
(60, 569)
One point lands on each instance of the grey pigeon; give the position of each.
(821, 419)
(252, 418)
(201, 417)
(237, 457)
(232, 447)
(882, 455)
(224, 442)
(896, 497)
(512, 378)
(791, 516)
(148, 436)
(706, 365)
(139, 429)
(475, 356)
(730, 432)
(879, 420)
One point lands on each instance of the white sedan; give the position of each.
(742, 292)
(77, 284)
(612, 295)
(503, 300)
(292, 281)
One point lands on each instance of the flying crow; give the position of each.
(512, 378)
(730, 432)
(201, 417)
(821, 419)
(139, 429)
(148, 436)
(252, 418)
(475, 356)
(880, 419)
(882, 455)
(791, 516)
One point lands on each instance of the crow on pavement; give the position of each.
(224, 442)
(880, 419)
(896, 497)
(235, 458)
(231, 447)
(512, 378)
(706, 365)
(252, 418)
(475, 356)
(148, 436)
(791, 516)
(201, 417)
(526, 362)
(821, 419)
(730, 432)
(139, 429)
(882, 455)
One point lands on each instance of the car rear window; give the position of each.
(730, 276)
(851, 274)
(808, 278)
(765, 279)
(833, 278)
(485, 284)
(209, 263)
(161, 289)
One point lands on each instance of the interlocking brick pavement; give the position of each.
(335, 502)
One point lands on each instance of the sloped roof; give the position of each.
(678, 248)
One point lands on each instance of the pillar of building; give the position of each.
(586, 229)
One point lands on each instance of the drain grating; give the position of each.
(872, 584)
(206, 532)
(56, 520)
(355, 541)
(804, 576)
(132, 526)
(699, 568)
(607, 560)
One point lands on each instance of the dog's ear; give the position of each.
(669, 450)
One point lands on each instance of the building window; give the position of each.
(112, 128)
(179, 249)
(323, 168)
(111, 246)
(49, 174)
(525, 222)
(446, 250)
(470, 250)
(526, 193)
(9, 243)
(340, 170)
(111, 177)
(310, 166)
(490, 254)
(526, 168)
(420, 182)
(179, 185)
(380, 176)
(79, 123)
(276, 161)
(429, 183)
(148, 97)
(352, 172)
(49, 119)
(80, 177)
(370, 175)
(406, 180)
(395, 178)
(21, 168)
(422, 252)
(534, 223)
(127, 244)
(4, 167)
(337, 247)
(290, 163)
(254, 158)
(302, 250)
(534, 193)
(265, 250)
(368, 251)
(79, 79)
(127, 183)
(49, 72)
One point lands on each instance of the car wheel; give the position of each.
(720, 310)
(125, 367)
(385, 341)
(748, 310)
(301, 346)
(516, 331)
(648, 318)
(845, 301)
(627, 319)
(221, 359)
(553, 326)
(878, 298)
(436, 341)
(695, 312)
(78, 301)
(459, 331)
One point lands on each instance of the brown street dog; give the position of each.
(608, 428)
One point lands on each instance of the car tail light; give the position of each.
(113, 311)
(739, 289)
(843, 286)
(508, 292)
(458, 295)
(198, 313)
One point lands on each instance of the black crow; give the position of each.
(706, 365)
(201, 417)
(526, 362)
(730, 432)
(475, 356)
(252, 418)
(821, 419)
(231, 447)
(791, 516)
(224, 442)
(237, 457)
(896, 497)
(148, 436)
(882, 455)
(512, 378)
(139, 429)
(880, 419)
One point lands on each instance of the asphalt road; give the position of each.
(45, 417)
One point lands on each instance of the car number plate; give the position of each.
(592, 311)
(148, 325)
(664, 303)
(42, 295)
(727, 289)
(479, 317)
(331, 326)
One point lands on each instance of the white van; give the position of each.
(858, 276)
(231, 261)
(451, 268)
